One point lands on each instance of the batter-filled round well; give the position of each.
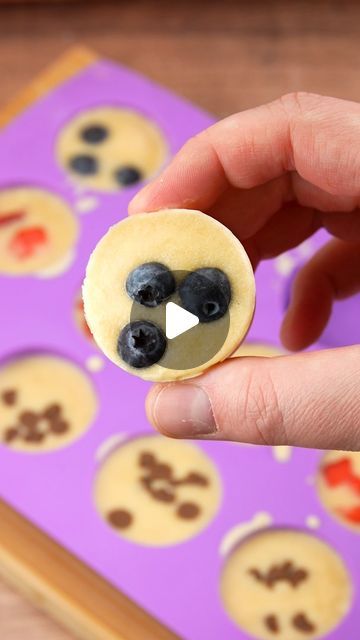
(285, 584)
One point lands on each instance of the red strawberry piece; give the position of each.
(352, 515)
(26, 241)
(355, 483)
(12, 216)
(339, 472)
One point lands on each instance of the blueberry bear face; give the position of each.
(155, 491)
(206, 293)
(149, 261)
(110, 148)
(285, 584)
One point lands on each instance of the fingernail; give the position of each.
(183, 411)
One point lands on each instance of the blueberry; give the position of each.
(141, 344)
(206, 293)
(94, 133)
(126, 176)
(150, 284)
(84, 165)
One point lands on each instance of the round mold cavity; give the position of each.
(38, 232)
(110, 148)
(285, 583)
(155, 491)
(47, 401)
(338, 487)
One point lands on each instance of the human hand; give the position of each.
(274, 175)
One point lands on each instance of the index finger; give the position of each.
(316, 136)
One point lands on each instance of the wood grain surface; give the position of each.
(224, 55)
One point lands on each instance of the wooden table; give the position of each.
(225, 56)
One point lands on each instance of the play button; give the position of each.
(178, 320)
(189, 342)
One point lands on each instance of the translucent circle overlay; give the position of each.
(194, 347)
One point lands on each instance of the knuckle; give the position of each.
(260, 408)
(298, 102)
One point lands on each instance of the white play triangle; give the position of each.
(178, 320)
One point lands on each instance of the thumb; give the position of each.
(307, 400)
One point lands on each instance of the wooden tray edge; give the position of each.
(71, 62)
(60, 584)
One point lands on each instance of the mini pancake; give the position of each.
(157, 492)
(285, 584)
(46, 402)
(111, 148)
(37, 231)
(184, 241)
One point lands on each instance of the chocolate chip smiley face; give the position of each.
(46, 402)
(148, 261)
(110, 148)
(157, 492)
(285, 584)
(37, 232)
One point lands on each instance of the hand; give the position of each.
(274, 175)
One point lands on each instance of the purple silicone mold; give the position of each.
(177, 584)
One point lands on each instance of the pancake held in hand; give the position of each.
(257, 349)
(37, 231)
(46, 402)
(286, 585)
(110, 148)
(179, 256)
(157, 491)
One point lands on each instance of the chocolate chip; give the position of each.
(59, 426)
(188, 511)
(94, 133)
(162, 471)
(120, 519)
(29, 418)
(271, 622)
(196, 478)
(256, 574)
(34, 436)
(286, 572)
(9, 397)
(302, 623)
(10, 434)
(84, 165)
(146, 459)
(52, 411)
(298, 576)
(163, 495)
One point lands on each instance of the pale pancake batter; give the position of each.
(156, 491)
(111, 148)
(257, 349)
(285, 585)
(46, 402)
